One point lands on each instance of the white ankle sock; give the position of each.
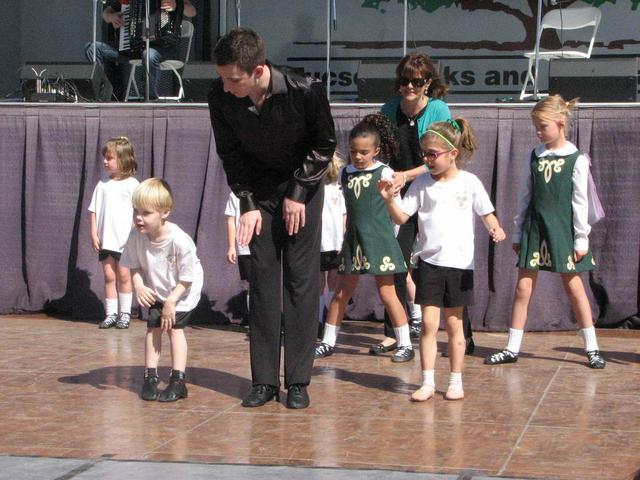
(415, 311)
(590, 341)
(428, 378)
(330, 334)
(455, 380)
(111, 306)
(403, 335)
(515, 339)
(125, 302)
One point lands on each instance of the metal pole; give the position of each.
(537, 50)
(222, 20)
(95, 27)
(238, 12)
(146, 31)
(328, 55)
(404, 29)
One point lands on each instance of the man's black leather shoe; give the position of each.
(297, 396)
(260, 394)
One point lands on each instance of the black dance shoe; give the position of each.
(380, 348)
(150, 387)
(297, 396)
(176, 389)
(260, 394)
(596, 360)
(505, 356)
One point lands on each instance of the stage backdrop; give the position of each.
(50, 163)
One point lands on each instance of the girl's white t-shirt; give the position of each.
(111, 202)
(165, 263)
(445, 218)
(232, 209)
(333, 211)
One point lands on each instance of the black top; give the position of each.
(409, 155)
(282, 150)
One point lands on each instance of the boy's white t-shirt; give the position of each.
(165, 263)
(333, 211)
(445, 218)
(232, 209)
(111, 202)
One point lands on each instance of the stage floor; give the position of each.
(70, 390)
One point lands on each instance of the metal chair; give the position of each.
(172, 65)
(561, 20)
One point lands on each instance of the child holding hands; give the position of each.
(551, 227)
(446, 199)
(167, 277)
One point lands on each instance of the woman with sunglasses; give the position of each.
(418, 105)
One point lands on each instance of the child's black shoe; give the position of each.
(150, 387)
(505, 356)
(176, 389)
(596, 360)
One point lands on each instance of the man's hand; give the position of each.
(168, 316)
(293, 215)
(145, 295)
(168, 5)
(115, 19)
(250, 223)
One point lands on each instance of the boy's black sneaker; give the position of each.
(176, 389)
(505, 356)
(150, 388)
(596, 360)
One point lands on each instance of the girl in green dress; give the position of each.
(551, 227)
(369, 245)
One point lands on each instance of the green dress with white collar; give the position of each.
(369, 245)
(547, 232)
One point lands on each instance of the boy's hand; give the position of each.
(168, 317)
(231, 255)
(579, 255)
(386, 189)
(497, 234)
(145, 295)
(95, 243)
(516, 248)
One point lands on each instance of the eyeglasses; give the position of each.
(416, 82)
(432, 154)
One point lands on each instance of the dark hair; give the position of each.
(379, 127)
(418, 64)
(241, 46)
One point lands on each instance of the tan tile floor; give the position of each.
(69, 389)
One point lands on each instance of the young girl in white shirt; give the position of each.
(111, 222)
(446, 199)
(551, 227)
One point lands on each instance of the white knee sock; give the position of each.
(455, 380)
(590, 341)
(403, 335)
(125, 302)
(330, 334)
(428, 378)
(111, 306)
(515, 339)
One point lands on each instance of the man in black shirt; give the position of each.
(275, 135)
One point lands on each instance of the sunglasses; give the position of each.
(432, 154)
(416, 82)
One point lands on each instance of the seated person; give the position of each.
(107, 54)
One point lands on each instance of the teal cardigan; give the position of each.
(436, 111)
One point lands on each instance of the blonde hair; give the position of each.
(336, 164)
(457, 134)
(125, 155)
(554, 108)
(154, 194)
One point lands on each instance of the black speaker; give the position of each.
(376, 80)
(83, 82)
(595, 79)
(197, 78)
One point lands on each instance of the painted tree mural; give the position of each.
(527, 18)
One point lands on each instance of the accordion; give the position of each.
(164, 26)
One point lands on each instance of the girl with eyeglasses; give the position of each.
(419, 103)
(445, 201)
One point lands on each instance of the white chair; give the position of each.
(561, 20)
(172, 65)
